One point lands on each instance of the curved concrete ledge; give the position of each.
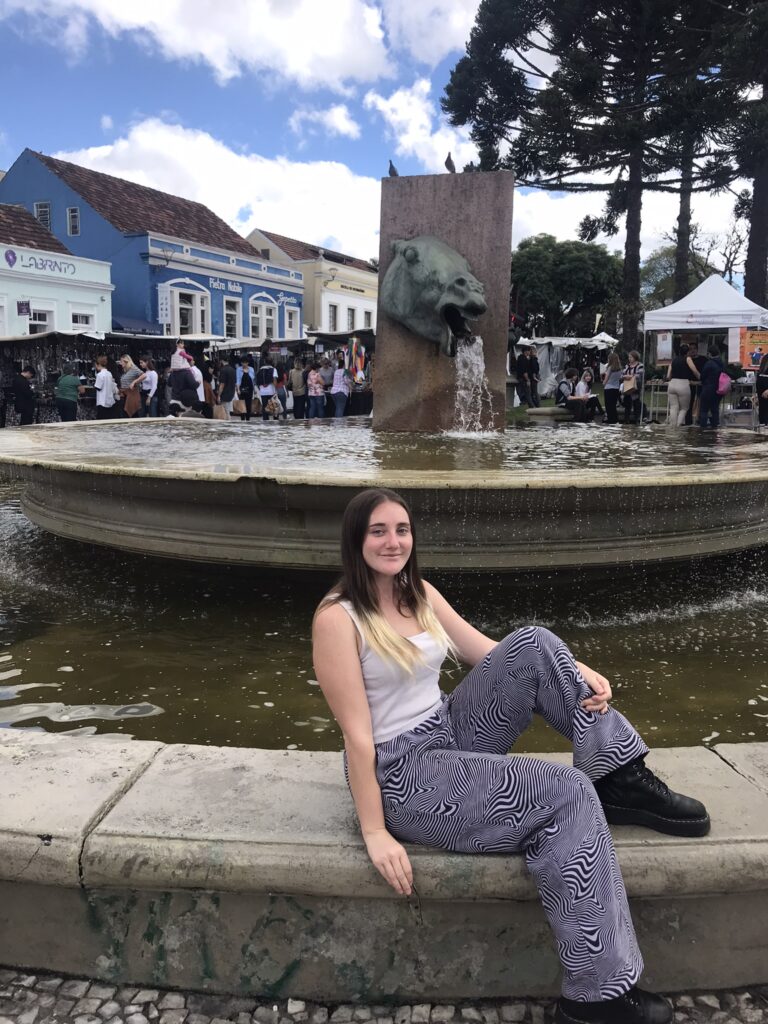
(242, 870)
(241, 512)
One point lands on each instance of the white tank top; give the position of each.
(398, 702)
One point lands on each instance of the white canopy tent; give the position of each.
(714, 305)
(551, 355)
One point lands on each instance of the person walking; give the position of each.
(340, 388)
(429, 769)
(66, 392)
(227, 386)
(524, 373)
(633, 381)
(298, 386)
(762, 391)
(698, 363)
(130, 379)
(709, 402)
(316, 393)
(611, 385)
(148, 392)
(24, 397)
(682, 370)
(245, 381)
(106, 390)
(266, 380)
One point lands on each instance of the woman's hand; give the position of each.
(599, 686)
(390, 860)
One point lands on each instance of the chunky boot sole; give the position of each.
(685, 827)
(563, 1017)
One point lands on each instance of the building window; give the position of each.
(82, 319)
(43, 214)
(73, 220)
(231, 318)
(190, 312)
(333, 318)
(262, 320)
(367, 318)
(350, 319)
(40, 320)
(291, 322)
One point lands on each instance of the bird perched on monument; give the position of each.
(449, 164)
(393, 171)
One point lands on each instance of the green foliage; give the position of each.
(560, 287)
(657, 277)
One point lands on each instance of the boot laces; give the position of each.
(653, 781)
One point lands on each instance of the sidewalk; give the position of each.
(47, 999)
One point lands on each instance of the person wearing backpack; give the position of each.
(265, 381)
(244, 381)
(712, 389)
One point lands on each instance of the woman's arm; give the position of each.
(153, 389)
(692, 368)
(669, 372)
(471, 645)
(138, 380)
(337, 664)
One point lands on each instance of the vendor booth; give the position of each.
(555, 355)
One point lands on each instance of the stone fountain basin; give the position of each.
(273, 494)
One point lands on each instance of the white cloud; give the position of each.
(321, 201)
(106, 122)
(429, 31)
(304, 41)
(555, 213)
(336, 120)
(410, 116)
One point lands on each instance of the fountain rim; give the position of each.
(455, 479)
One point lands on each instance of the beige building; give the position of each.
(340, 292)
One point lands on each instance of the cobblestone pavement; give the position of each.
(47, 999)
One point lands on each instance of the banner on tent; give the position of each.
(663, 346)
(753, 345)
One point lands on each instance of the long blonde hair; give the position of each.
(357, 586)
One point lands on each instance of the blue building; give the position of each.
(177, 268)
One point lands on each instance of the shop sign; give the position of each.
(285, 300)
(753, 346)
(218, 285)
(163, 303)
(664, 345)
(44, 263)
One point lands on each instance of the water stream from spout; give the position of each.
(472, 410)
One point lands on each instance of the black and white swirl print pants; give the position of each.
(449, 783)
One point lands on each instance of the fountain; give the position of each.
(538, 497)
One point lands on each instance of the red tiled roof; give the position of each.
(133, 208)
(19, 227)
(305, 251)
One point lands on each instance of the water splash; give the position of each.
(472, 410)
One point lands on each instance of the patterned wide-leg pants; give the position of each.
(449, 783)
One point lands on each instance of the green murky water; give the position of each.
(93, 640)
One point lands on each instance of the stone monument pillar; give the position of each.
(415, 381)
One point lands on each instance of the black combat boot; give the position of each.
(633, 795)
(634, 1007)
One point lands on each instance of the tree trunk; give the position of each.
(756, 266)
(683, 233)
(630, 289)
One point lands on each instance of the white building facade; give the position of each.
(52, 291)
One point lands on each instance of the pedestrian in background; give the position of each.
(298, 386)
(611, 386)
(227, 386)
(130, 379)
(633, 379)
(148, 387)
(709, 402)
(682, 370)
(316, 393)
(106, 391)
(66, 392)
(24, 396)
(340, 388)
(245, 387)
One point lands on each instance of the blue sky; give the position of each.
(280, 114)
